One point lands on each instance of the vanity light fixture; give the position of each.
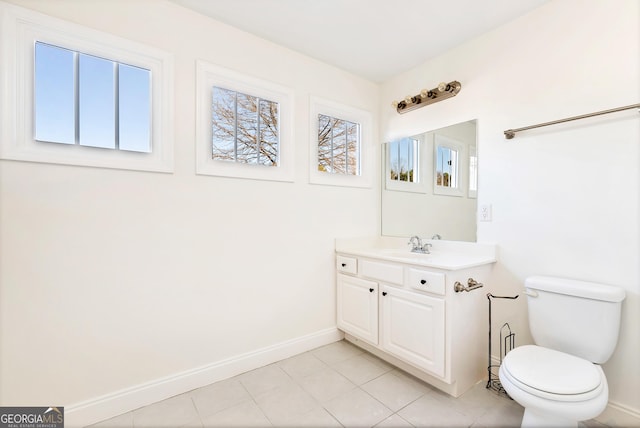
(428, 96)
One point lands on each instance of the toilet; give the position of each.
(575, 326)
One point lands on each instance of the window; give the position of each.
(91, 101)
(83, 97)
(404, 164)
(338, 146)
(339, 137)
(447, 154)
(244, 126)
(403, 160)
(55, 94)
(473, 172)
(447, 167)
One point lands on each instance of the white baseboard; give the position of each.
(116, 403)
(618, 415)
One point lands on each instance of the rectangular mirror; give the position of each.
(430, 184)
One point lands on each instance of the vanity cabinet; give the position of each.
(413, 326)
(409, 315)
(358, 307)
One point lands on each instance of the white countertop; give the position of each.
(448, 255)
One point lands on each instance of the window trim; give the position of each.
(338, 110)
(209, 75)
(21, 28)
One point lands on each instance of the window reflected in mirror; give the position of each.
(446, 169)
(473, 172)
(403, 160)
(404, 165)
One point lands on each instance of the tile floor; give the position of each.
(338, 385)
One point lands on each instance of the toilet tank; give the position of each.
(576, 317)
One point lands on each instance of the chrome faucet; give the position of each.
(417, 246)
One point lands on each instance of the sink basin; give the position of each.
(404, 254)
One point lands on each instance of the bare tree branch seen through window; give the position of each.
(245, 128)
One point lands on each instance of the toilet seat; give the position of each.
(553, 375)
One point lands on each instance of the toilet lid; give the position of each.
(552, 371)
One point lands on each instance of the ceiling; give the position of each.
(375, 39)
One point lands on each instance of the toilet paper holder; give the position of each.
(507, 343)
(472, 284)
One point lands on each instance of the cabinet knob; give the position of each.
(384, 293)
(344, 265)
(371, 290)
(423, 281)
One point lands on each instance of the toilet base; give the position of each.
(535, 419)
(541, 412)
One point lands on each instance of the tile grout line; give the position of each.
(289, 379)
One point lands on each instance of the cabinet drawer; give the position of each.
(382, 271)
(425, 280)
(347, 264)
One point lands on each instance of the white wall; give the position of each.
(565, 198)
(112, 278)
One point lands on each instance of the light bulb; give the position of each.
(394, 103)
(424, 93)
(442, 87)
(407, 99)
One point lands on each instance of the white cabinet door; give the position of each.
(358, 307)
(413, 328)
